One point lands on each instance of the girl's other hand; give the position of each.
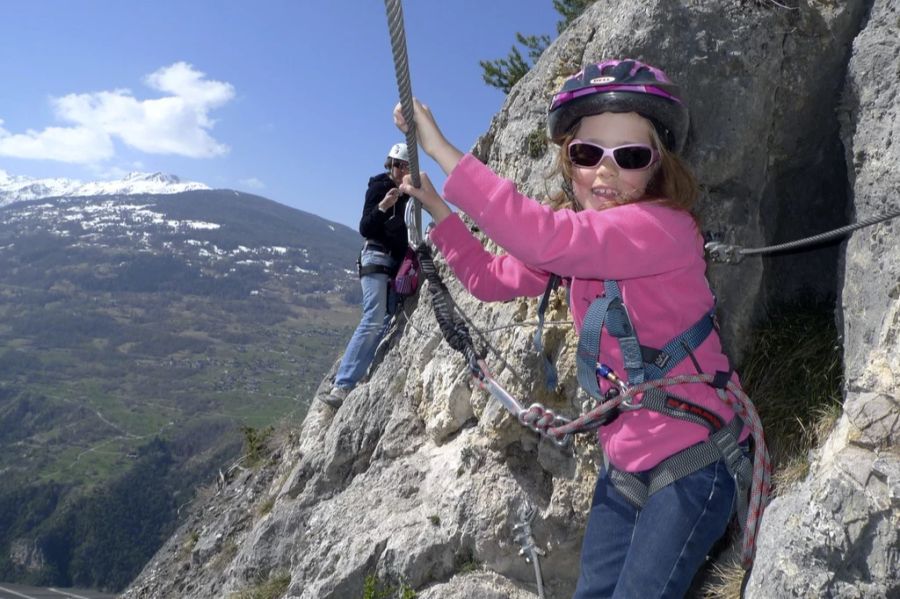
(433, 203)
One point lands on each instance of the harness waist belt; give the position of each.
(374, 245)
(722, 445)
(373, 269)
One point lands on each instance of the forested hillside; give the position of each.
(142, 340)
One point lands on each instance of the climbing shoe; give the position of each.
(335, 397)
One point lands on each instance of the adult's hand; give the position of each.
(390, 198)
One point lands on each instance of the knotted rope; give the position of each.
(454, 330)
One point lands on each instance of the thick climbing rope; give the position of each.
(394, 10)
(453, 329)
(733, 254)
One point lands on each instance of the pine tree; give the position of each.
(570, 10)
(504, 73)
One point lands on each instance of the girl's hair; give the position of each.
(672, 184)
(388, 162)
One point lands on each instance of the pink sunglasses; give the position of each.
(630, 157)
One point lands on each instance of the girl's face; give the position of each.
(607, 184)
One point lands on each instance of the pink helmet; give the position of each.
(620, 86)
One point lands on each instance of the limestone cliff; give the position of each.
(419, 479)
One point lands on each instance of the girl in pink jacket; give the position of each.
(624, 240)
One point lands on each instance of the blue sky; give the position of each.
(290, 100)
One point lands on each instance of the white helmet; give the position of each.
(399, 152)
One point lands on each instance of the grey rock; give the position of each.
(836, 535)
(27, 555)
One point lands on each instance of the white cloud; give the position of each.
(178, 123)
(183, 81)
(252, 183)
(72, 144)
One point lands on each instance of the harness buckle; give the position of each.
(661, 360)
(737, 463)
(627, 404)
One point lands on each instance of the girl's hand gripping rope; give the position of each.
(428, 196)
(430, 137)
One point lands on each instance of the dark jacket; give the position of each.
(385, 228)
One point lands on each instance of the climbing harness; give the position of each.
(733, 254)
(370, 269)
(734, 397)
(646, 375)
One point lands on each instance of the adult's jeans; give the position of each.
(654, 551)
(379, 303)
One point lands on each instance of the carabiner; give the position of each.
(610, 375)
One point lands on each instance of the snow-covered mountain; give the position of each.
(18, 188)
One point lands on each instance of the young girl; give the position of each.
(624, 234)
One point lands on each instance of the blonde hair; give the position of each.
(673, 184)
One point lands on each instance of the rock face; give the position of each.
(26, 554)
(419, 481)
(843, 522)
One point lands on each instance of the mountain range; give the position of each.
(151, 331)
(18, 188)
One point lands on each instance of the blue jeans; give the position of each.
(379, 303)
(654, 551)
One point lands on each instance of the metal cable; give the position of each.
(394, 10)
(732, 254)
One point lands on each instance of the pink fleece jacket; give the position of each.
(656, 254)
